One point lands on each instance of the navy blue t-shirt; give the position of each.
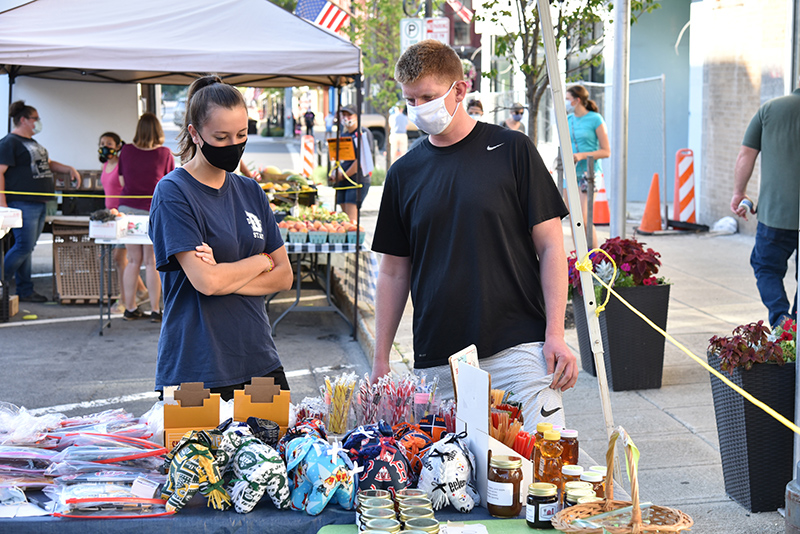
(218, 340)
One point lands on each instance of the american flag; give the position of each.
(321, 13)
(462, 11)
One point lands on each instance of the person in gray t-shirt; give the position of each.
(774, 132)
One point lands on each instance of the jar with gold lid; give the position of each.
(415, 502)
(503, 497)
(572, 496)
(388, 525)
(413, 513)
(372, 503)
(406, 493)
(542, 505)
(425, 524)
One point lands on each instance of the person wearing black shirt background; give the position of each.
(470, 223)
(26, 166)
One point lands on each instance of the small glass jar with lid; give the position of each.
(387, 525)
(542, 505)
(570, 447)
(415, 502)
(572, 496)
(596, 480)
(571, 473)
(503, 497)
(426, 524)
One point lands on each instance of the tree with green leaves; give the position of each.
(375, 27)
(578, 28)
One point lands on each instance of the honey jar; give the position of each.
(503, 488)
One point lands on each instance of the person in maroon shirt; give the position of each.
(141, 165)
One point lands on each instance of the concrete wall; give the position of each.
(747, 60)
(653, 39)
(74, 114)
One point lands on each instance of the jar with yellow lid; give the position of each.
(542, 505)
(577, 485)
(363, 495)
(588, 499)
(572, 496)
(387, 525)
(571, 473)
(425, 524)
(415, 502)
(376, 513)
(406, 493)
(413, 513)
(503, 487)
(372, 504)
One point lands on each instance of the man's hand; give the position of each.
(738, 209)
(379, 369)
(74, 175)
(561, 362)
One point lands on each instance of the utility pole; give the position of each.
(428, 9)
(619, 138)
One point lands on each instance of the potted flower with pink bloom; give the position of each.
(633, 350)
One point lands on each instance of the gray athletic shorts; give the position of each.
(521, 369)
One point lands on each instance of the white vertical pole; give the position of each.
(619, 137)
(576, 216)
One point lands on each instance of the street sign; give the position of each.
(413, 31)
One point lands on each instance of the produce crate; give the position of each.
(76, 264)
(318, 237)
(337, 237)
(298, 237)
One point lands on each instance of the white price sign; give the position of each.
(413, 31)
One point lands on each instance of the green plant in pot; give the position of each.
(756, 450)
(633, 350)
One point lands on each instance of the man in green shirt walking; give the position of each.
(774, 131)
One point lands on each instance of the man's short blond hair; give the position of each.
(429, 58)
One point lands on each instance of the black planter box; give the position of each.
(756, 450)
(633, 350)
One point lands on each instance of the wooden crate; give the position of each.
(76, 265)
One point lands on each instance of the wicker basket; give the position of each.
(662, 519)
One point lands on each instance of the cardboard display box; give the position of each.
(262, 398)
(473, 415)
(13, 305)
(115, 229)
(196, 409)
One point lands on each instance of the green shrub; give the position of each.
(378, 177)
(273, 132)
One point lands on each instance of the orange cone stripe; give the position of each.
(684, 209)
(307, 154)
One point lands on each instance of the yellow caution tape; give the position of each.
(789, 424)
(70, 194)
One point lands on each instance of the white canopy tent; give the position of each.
(247, 42)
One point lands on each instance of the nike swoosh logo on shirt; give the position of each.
(548, 413)
(495, 146)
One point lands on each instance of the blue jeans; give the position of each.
(771, 253)
(18, 259)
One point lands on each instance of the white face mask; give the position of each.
(37, 127)
(570, 107)
(476, 116)
(432, 117)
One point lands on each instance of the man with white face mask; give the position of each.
(470, 223)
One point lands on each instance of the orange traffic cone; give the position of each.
(600, 213)
(651, 220)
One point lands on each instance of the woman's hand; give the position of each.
(205, 253)
(579, 156)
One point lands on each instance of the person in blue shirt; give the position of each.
(589, 136)
(219, 252)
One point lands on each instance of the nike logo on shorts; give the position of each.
(495, 146)
(548, 413)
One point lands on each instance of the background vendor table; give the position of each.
(312, 248)
(107, 270)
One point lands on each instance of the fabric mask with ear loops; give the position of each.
(432, 117)
(225, 157)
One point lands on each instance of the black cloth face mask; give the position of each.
(223, 157)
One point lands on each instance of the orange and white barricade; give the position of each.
(307, 155)
(683, 202)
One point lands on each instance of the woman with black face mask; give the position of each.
(108, 151)
(219, 250)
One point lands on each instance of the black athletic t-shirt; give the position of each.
(464, 214)
(28, 168)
